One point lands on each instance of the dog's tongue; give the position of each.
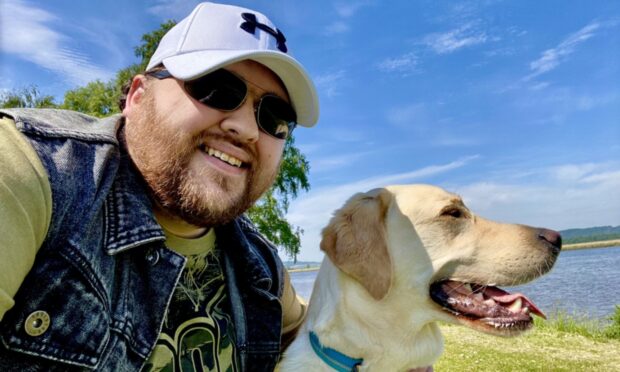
(503, 297)
(483, 301)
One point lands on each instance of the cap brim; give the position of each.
(300, 88)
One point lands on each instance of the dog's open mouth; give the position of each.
(485, 308)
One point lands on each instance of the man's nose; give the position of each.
(241, 123)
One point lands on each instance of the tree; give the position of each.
(269, 212)
(96, 98)
(28, 97)
(100, 99)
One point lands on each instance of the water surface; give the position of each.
(582, 283)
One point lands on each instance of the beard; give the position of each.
(166, 159)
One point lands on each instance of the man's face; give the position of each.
(189, 154)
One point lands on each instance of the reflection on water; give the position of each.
(584, 283)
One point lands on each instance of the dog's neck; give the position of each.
(395, 340)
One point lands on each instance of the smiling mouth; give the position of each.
(485, 308)
(226, 158)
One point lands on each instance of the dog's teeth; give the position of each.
(478, 296)
(516, 306)
(467, 286)
(525, 310)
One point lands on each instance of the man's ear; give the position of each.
(355, 241)
(135, 93)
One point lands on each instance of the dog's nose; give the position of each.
(552, 237)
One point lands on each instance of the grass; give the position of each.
(561, 344)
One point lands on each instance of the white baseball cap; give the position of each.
(216, 35)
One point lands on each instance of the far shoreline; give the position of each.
(301, 270)
(595, 244)
(566, 247)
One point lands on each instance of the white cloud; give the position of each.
(588, 102)
(610, 179)
(34, 40)
(573, 172)
(312, 211)
(556, 104)
(558, 206)
(345, 11)
(405, 64)
(451, 41)
(551, 58)
(557, 197)
(405, 116)
(348, 10)
(329, 82)
(539, 86)
(328, 163)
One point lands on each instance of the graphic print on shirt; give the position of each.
(198, 332)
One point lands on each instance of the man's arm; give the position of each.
(25, 210)
(294, 310)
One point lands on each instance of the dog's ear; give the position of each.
(355, 241)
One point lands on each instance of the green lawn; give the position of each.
(548, 347)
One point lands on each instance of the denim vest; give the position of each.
(103, 279)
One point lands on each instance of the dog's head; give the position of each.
(421, 242)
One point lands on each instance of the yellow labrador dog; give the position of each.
(401, 258)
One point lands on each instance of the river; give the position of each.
(583, 283)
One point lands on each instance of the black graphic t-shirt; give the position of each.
(198, 332)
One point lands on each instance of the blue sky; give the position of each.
(514, 105)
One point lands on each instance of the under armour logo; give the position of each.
(251, 24)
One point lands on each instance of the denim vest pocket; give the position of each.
(61, 316)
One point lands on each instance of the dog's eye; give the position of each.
(452, 212)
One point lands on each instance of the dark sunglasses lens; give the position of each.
(219, 89)
(276, 117)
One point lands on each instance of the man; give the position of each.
(122, 240)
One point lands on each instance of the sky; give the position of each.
(512, 104)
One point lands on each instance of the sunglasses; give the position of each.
(225, 91)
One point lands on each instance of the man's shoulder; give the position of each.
(247, 226)
(261, 253)
(65, 123)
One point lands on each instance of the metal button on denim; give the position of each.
(37, 323)
(152, 257)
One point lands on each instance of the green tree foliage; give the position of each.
(28, 97)
(100, 99)
(269, 212)
(96, 98)
(149, 43)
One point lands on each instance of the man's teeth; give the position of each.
(225, 157)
